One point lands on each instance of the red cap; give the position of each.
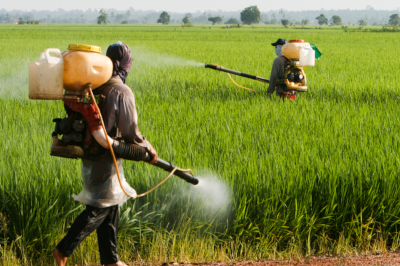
(292, 41)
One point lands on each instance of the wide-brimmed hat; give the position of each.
(279, 42)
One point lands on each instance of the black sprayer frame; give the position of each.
(234, 72)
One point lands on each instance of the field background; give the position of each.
(283, 179)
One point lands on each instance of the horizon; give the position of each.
(181, 6)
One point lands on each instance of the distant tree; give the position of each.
(285, 22)
(21, 21)
(250, 15)
(394, 20)
(31, 21)
(124, 22)
(215, 20)
(336, 20)
(362, 23)
(304, 23)
(102, 18)
(232, 21)
(164, 18)
(189, 15)
(186, 21)
(322, 19)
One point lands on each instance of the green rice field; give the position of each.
(319, 175)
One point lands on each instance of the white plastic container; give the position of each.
(307, 56)
(46, 76)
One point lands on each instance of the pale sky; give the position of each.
(183, 6)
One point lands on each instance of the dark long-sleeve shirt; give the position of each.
(278, 73)
(120, 115)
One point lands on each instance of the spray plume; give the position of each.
(15, 84)
(141, 55)
(213, 195)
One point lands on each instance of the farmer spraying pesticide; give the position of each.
(287, 74)
(279, 66)
(96, 141)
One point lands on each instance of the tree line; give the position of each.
(394, 20)
(250, 15)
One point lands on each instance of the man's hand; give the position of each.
(154, 155)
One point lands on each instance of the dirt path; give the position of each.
(389, 259)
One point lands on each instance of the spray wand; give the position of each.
(234, 72)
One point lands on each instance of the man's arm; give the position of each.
(273, 80)
(127, 123)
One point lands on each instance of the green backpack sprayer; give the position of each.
(69, 77)
(300, 54)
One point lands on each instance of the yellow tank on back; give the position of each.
(292, 49)
(84, 64)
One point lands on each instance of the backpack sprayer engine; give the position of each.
(83, 133)
(299, 53)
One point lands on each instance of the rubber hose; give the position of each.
(129, 151)
(135, 152)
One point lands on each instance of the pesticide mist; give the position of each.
(14, 79)
(141, 55)
(212, 196)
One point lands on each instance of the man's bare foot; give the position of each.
(60, 258)
(119, 263)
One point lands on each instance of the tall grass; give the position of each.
(318, 175)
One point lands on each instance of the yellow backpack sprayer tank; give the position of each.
(82, 132)
(84, 64)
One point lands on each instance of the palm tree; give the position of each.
(103, 17)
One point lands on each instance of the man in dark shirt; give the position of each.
(102, 192)
(278, 73)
